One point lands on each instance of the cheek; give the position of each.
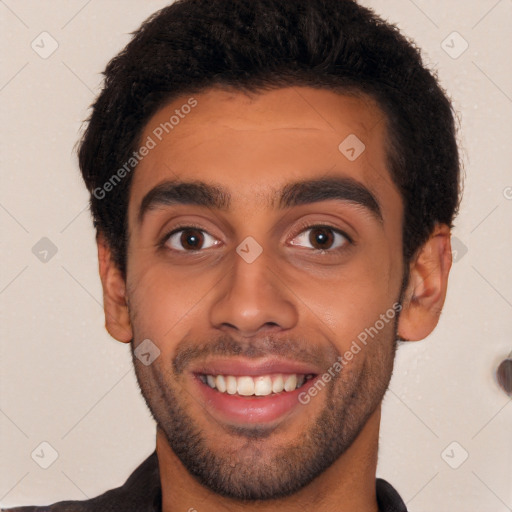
(164, 302)
(350, 298)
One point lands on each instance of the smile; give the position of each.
(262, 385)
(243, 392)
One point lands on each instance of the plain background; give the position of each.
(67, 383)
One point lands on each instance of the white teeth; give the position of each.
(262, 385)
(278, 384)
(220, 383)
(245, 386)
(231, 384)
(290, 383)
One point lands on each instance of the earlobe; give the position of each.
(426, 291)
(117, 318)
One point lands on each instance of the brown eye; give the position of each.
(189, 239)
(321, 238)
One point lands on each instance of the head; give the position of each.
(314, 129)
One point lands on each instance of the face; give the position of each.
(261, 254)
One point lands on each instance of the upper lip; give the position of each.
(238, 367)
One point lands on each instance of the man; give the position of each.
(273, 185)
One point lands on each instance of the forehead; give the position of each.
(254, 144)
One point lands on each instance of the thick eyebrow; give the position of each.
(323, 189)
(298, 193)
(195, 193)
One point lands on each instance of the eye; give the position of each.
(189, 238)
(322, 238)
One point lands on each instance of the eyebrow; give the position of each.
(199, 193)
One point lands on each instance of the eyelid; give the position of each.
(305, 225)
(182, 227)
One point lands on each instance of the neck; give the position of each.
(347, 486)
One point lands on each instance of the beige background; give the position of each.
(65, 382)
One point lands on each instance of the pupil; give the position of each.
(190, 238)
(322, 236)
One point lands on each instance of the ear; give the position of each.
(117, 319)
(428, 280)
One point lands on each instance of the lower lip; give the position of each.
(251, 409)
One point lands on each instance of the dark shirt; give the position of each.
(142, 493)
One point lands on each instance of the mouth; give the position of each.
(262, 385)
(244, 392)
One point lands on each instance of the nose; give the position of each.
(252, 300)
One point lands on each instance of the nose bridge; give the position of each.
(251, 297)
(250, 274)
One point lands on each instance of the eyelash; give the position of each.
(177, 229)
(303, 227)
